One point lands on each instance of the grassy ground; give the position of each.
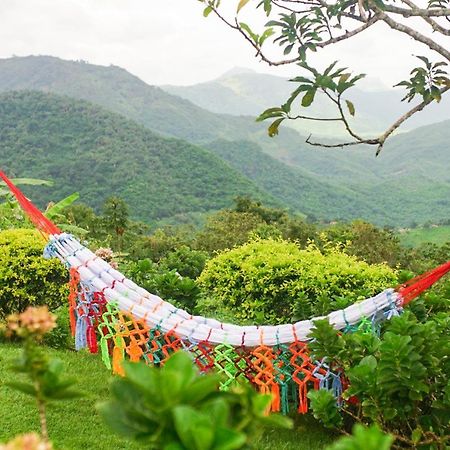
(416, 236)
(75, 425)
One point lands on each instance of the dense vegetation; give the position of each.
(26, 278)
(407, 184)
(86, 149)
(270, 281)
(278, 268)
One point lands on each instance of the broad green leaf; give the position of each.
(226, 439)
(351, 107)
(58, 207)
(308, 98)
(30, 182)
(26, 388)
(207, 11)
(246, 28)
(273, 128)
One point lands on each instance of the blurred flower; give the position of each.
(34, 320)
(105, 253)
(29, 441)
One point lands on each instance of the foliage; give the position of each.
(274, 281)
(400, 379)
(366, 241)
(227, 229)
(115, 218)
(168, 284)
(364, 439)
(185, 261)
(169, 176)
(295, 29)
(60, 337)
(45, 374)
(161, 242)
(175, 408)
(26, 278)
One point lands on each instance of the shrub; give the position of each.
(274, 281)
(187, 262)
(400, 380)
(173, 407)
(60, 337)
(183, 292)
(26, 278)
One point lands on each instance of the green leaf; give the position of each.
(351, 107)
(269, 113)
(207, 11)
(246, 28)
(267, 33)
(273, 128)
(364, 439)
(226, 439)
(57, 208)
(30, 182)
(308, 98)
(26, 388)
(241, 4)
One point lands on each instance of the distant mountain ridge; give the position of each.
(247, 92)
(84, 148)
(408, 182)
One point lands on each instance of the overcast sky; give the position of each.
(169, 41)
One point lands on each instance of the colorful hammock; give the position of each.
(109, 310)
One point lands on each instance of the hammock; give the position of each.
(108, 309)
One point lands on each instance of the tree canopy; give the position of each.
(293, 29)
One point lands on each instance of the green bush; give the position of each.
(26, 278)
(274, 281)
(60, 337)
(187, 262)
(174, 408)
(183, 292)
(400, 380)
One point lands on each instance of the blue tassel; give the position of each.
(80, 333)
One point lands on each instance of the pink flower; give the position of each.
(29, 441)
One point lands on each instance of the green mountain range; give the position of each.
(243, 91)
(83, 148)
(408, 182)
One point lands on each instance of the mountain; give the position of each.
(84, 148)
(407, 183)
(246, 92)
(119, 91)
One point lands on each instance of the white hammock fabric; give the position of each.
(154, 311)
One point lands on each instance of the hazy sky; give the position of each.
(169, 41)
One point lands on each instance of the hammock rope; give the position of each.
(110, 313)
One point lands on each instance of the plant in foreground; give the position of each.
(176, 408)
(46, 382)
(29, 441)
(398, 381)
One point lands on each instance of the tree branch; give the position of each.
(405, 117)
(414, 34)
(436, 27)
(349, 34)
(418, 12)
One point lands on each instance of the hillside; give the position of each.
(241, 91)
(407, 183)
(119, 91)
(84, 148)
(299, 189)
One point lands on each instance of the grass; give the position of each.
(75, 424)
(416, 236)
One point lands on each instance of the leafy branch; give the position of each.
(299, 27)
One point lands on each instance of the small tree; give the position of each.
(115, 216)
(295, 28)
